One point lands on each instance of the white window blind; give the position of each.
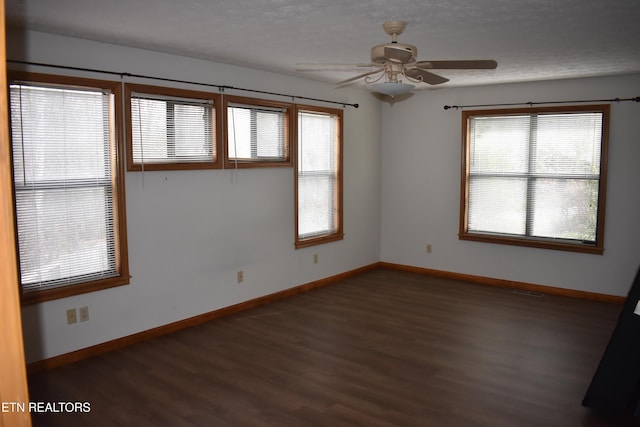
(171, 130)
(63, 148)
(535, 175)
(256, 133)
(317, 174)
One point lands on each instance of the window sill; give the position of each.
(148, 167)
(245, 164)
(533, 243)
(313, 241)
(71, 290)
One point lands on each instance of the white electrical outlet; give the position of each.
(71, 316)
(315, 258)
(429, 248)
(240, 277)
(84, 313)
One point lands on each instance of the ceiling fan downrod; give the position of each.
(394, 29)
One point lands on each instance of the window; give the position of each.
(535, 177)
(171, 129)
(257, 133)
(68, 182)
(319, 176)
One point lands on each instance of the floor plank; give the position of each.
(385, 348)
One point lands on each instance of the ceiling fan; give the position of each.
(396, 67)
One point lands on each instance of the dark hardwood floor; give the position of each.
(385, 348)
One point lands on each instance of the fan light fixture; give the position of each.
(392, 88)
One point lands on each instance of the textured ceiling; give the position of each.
(530, 39)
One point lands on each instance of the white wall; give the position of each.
(189, 232)
(421, 157)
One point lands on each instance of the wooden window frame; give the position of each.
(216, 129)
(232, 163)
(338, 233)
(538, 242)
(118, 185)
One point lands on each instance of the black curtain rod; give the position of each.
(636, 99)
(221, 88)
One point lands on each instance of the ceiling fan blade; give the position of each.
(473, 64)
(425, 76)
(397, 54)
(353, 79)
(333, 67)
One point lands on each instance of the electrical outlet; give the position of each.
(84, 313)
(240, 277)
(429, 248)
(315, 258)
(71, 316)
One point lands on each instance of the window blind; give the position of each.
(535, 175)
(256, 133)
(317, 179)
(62, 142)
(171, 129)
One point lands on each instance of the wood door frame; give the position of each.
(13, 387)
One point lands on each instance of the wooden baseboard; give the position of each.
(593, 296)
(105, 347)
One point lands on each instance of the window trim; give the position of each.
(338, 234)
(258, 163)
(216, 162)
(118, 183)
(536, 242)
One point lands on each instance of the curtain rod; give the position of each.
(636, 99)
(221, 88)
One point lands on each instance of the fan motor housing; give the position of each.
(378, 56)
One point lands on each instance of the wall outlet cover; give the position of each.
(84, 314)
(71, 316)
